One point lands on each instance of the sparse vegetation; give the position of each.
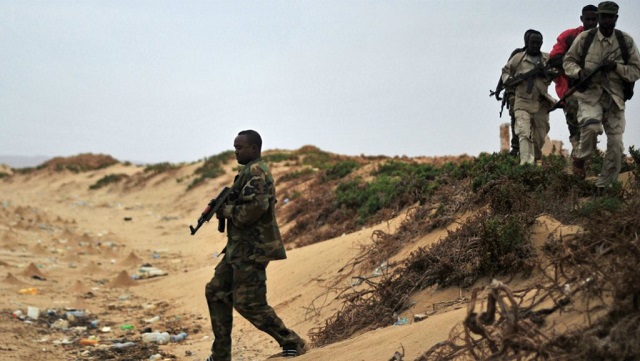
(340, 170)
(108, 179)
(297, 174)
(211, 168)
(278, 157)
(488, 206)
(80, 163)
(507, 199)
(316, 158)
(160, 167)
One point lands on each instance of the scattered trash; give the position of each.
(94, 324)
(149, 272)
(160, 338)
(126, 327)
(155, 357)
(401, 321)
(64, 341)
(74, 314)
(88, 341)
(33, 312)
(123, 344)
(127, 219)
(60, 324)
(179, 337)
(380, 269)
(17, 314)
(28, 291)
(152, 319)
(419, 317)
(146, 330)
(105, 329)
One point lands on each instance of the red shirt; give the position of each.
(565, 39)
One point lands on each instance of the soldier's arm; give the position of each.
(252, 202)
(630, 71)
(571, 62)
(508, 69)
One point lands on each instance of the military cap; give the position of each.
(608, 7)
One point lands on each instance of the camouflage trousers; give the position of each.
(242, 286)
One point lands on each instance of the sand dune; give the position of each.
(150, 216)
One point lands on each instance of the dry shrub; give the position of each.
(484, 245)
(597, 267)
(80, 163)
(493, 242)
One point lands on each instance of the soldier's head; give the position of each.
(589, 17)
(248, 146)
(526, 36)
(607, 17)
(534, 43)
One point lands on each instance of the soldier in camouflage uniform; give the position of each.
(253, 239)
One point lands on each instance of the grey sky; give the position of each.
(175, 81)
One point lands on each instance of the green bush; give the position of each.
(108, 179)
(368, 198)
(600, 206)
(395, 185)
(297, 174)
(504, 237)
(340, 170)
(488, 169)
(279, 157)
(160, 167)
(211, 168)
(316, 158)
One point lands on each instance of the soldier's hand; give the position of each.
(582, 75)
(551, 73)
(220, 213)
(496, 93)
(555, 61)
(583, 83)
(609, 65)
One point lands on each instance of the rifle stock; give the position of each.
(211, 209)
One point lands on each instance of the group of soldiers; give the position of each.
(594, 67)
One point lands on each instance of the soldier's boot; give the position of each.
(295, 350)
(579, 169)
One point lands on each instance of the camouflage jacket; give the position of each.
(252, 230)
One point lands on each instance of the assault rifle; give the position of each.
(582, 84)
(511, 83)
(539, 70)
(211, 209)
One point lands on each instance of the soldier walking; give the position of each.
(528, 74)
(253, 240)
(610, 58)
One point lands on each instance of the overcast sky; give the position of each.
(175, 81)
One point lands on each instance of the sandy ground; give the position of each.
(77, 248)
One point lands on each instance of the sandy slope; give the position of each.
(87, 243)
